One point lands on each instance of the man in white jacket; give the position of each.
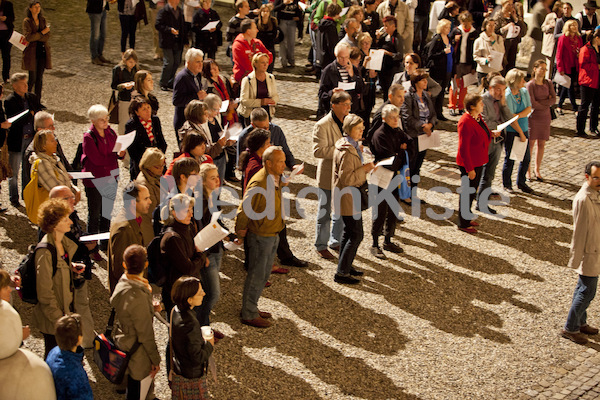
(585, 254)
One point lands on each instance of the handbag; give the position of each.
(553, 115)
(364, 196)
(404, 190)
(113, 109)
(111, 361)
(34, 194)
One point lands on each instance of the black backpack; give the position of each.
(27, 271)
(157, 269)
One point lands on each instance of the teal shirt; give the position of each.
(516, 104)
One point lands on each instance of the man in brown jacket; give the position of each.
(259, 220)
(128, 227)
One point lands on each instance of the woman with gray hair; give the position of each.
(98, 159)
(177, 244)
(349, 172)
(519, 103)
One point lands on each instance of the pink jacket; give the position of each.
(567, 52)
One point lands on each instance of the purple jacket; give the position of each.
(98, 157)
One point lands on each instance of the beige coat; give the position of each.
(124, 233)
(151, 182)
(481, 51)
(325, 134)
(132, 301)
(585, 245)
(348, 171)
(548, 41)
(55, 294)
(248, 100)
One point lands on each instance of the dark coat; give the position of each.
(329, 81)
(184, 91)
(34, 36)
(190, 350)
(95, 7)
(409, 111)
(386, 142)
(269, 36)
(473, 35)
(205, 40)
(142, 141)
(6, 7)
(15, 104)
(327, 38)
(177, 246)
(120, 74)
(165, 20)
(437, 59)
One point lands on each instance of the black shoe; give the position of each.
(355, 272)
(166, 89)
(490, 210)
(509, 189)
(345, 280)
(393, 247)
(525, 188)
(15, 204)
(582, 134)
(295, 262)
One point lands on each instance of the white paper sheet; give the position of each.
(518, 150)
(469, 79)
(381, 177)
(497, 57)
(97, 236)
(145, 386)
(344, 11)
(211, 234)
(503, 126)
(16, 117)
(406, 85)
(376, 60)
(385, 162)
(231, 132)
(562, 80)
(428, 142)
(123, 142)
(347, 85)
(18, 40)
(81, 175)
(513, 31)
(296, 170)
(302, 6)
(211, 25)
(232, 246)
(224, 106)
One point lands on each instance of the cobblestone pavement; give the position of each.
(454, 317)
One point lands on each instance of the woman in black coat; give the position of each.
(148, 133)
(207, 40)
(7, 19)
(440, 62)
(268, 30)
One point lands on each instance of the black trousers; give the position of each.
(589, 96)
(5, 48)
(96, 221)
(284, 253)
(49, 343)
(463, 222)
(128, 26)
(36, 77)
(444, 82)
(351, 238)
(385, 222)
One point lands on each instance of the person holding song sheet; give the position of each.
(519, 103)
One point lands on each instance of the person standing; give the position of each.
(540, 11)
(263, 195)
(123, 82)
(97, 10)
(585, 246)
(187, 86)
(567, 55)
(244, 47)
(36, 56)
(589, 79)
(288, 15)
(7, 20)
(171, 37)
(208, 40)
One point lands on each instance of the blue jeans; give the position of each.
(171, 61)
(323, 237)
(509, 164)
(261, 253)
(14, 159)
(286, 47)
(353, 235)
(97, 33)
(582, 297)
(211, 285)
(489, 169)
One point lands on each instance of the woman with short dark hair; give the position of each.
(193, 146)
(143, 87)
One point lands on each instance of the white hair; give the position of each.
(97, 111)
(192, 54)
(339, 47)
(389, 109)
(213, 101)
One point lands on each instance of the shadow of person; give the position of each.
(20, 231)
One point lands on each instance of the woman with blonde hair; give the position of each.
(440, 62)
(567, 62)
(152, 166)
(258, 89)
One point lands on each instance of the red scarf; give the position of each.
(148, 126)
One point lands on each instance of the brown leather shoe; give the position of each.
(326, 254)
(258, 322)
(264, 314)
(588, 330)
(577, 337)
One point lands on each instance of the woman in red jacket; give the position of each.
(473, 141)
(567, 53)
(589, 57)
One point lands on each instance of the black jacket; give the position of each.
(205, 40)
(7, 10)
(190, 350)
(327, 38)
(329, 81)
(386, 142)
(474, 34)
(165, 20)
(436, 57)
(142, 141)
(15, 104)
(95, 6)
(287, 11)
(393, 44)
(177, 246)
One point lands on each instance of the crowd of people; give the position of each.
(151, 248)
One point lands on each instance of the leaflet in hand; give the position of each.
(496, 62)
(210, 235)
(562, 80)
(385, 162)
(210, 25)
(95, 237)
(381, 177)
(224, 106)
(16, 117)
(81, 175)
(232, 132)
(18, 40)
(302, 6)
(344, 11)
(513, 31)
(232, 246)
(518, 150)
(347, 85)
(376, 61)
(145, 386)
(469, 79)
(503, 126)
(428, 142)
(296, 170)
(123, 142)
